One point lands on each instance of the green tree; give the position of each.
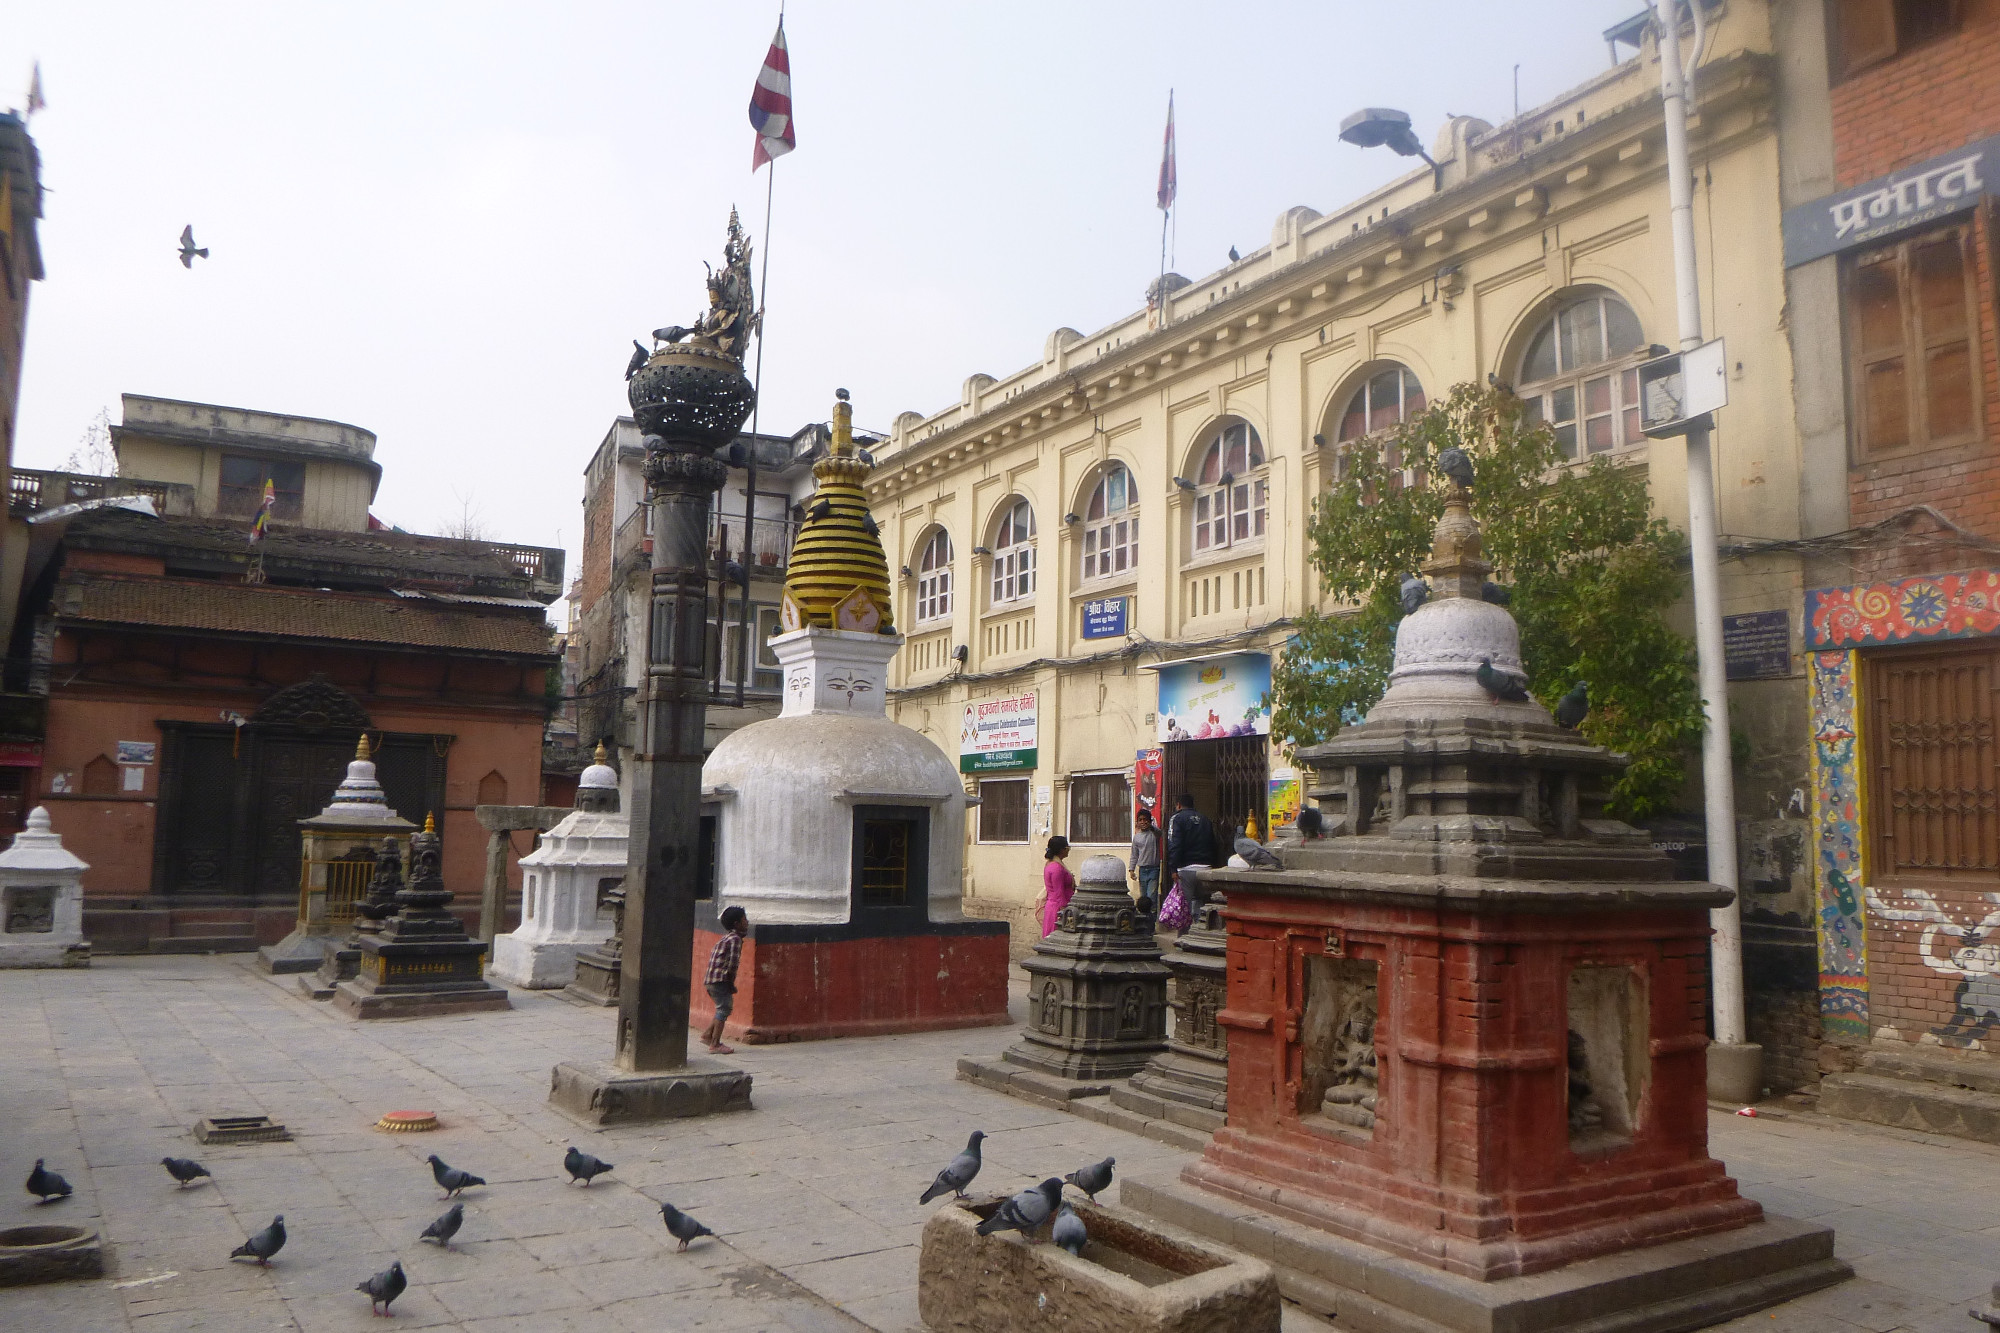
(1592, 574)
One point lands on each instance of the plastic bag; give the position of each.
(1175, 912)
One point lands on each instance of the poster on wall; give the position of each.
(998, 735)
(1216, 697)
(1146, 770)
(1284, 804)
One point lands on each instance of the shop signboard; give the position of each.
(1213, 698)
(998, 735)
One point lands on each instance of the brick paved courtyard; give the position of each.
(813, 1193)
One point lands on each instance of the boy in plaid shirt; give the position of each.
(721, 978)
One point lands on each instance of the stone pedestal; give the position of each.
(600, 1094)
(1188, 1083)
(598, 970)
(1097, 990)
(41, 900)
(561, 882)
(421, 962)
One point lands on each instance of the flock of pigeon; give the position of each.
(1026, 1211)
(385, 1286)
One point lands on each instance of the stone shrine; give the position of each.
(561, 913)
(341, 959)
(1188, 1082)
(337, 852)
(420, 961)
(1466, 1036)
(41, 899)
(598, 969)
(841, 832)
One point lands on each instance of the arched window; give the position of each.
(1014, 554)
(934, 578)
(1572, 376)
(1385, 399)
(1111, 525)
(1230, 490)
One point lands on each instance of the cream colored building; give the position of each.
(1541, 257)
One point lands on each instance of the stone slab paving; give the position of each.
(103, 1072)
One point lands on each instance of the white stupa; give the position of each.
(560, 878)
(41, 900)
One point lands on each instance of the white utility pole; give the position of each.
(1735, 1067)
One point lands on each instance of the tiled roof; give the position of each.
(298, 613)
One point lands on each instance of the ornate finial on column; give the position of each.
(838, 576)
(601, 756)
(1455, 566)
(361, 750)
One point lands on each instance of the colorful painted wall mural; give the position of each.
(1836, 820)
(1940, 606)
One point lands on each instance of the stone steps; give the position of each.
(244, 943)
(1917, 1090)
(1091, 1101)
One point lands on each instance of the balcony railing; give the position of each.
(31, 492)
(770, 542)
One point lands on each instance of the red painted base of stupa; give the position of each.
(807, 983)
(1471, 1165)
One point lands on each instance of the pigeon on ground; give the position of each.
(1025, 1211)
(1233, 256)
(1068, 1231)
(184, 1170)
(1497, 593)
(264, 1244)
(958, 1173)
(822, 511)
(1413, 593)
(682, 1227)
(1573, 707)
(1456, 464)
(384, 1287)
(188, 251)
(450, 1179)
(1256, 855)
(582, 1166)
(47, 1184)
(1094, 1180)
(1504, 688)
(639, 358)
(446, 1226)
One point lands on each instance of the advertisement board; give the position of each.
(998, 735)
(1216, 697)
(1104, 618)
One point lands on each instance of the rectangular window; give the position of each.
(885, 863)
(1867, 32)
(1003, 810)
(1100, 808)
(764, 624)
(1910, 338)
(241, 493)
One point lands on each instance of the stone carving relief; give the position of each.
(1131, 1008)
(1607, 1052)
(31, 911)
(1200, 1001)
(1051, 1016)
(1338, 1036)
(314, 705)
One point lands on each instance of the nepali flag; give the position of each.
(771, 103)
(1169, 179)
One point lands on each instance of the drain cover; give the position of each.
(408, 1122)
(240, 1129)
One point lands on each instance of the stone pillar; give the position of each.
(1097, 990)
(41, 900)
(1188, 1083)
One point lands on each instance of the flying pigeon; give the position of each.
(870, 526)
(1413, 593)
(1233, 256)
(639, 358)
(582, 1166)
(1094, 1180)
(1497, 593)
(384, 1287)
(822, 511)
(1069, 1232)
(1256, 854)
(1025, 1211)
(446, 1226)
(682, 1227)
(450, 1179)
(264, 1244)
(958, 1173)
(1573, 707)
(1504, 688)
(47, 1184)
(183, 1170)
(188, 251)
(1456, 464)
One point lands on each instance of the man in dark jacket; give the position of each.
(1191, 838)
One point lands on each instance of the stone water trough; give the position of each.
(49, 1253)
(1135, 1275)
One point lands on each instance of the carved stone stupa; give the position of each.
(421, 961)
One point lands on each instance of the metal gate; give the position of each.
(1227, 778)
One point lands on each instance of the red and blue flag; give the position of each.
(771, 103)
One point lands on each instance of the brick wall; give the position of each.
(1928, 101)
(1908, 990)
(595, 575)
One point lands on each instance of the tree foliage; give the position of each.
(1592, 574)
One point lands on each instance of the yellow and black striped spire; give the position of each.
(838, 550)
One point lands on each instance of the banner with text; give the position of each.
(1216, 698)
(998, 735)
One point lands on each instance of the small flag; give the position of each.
(1169, 179)
(262, 525)
(771, 103)
(35, 99)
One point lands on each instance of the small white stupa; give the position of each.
(560, 879)
(41, 900)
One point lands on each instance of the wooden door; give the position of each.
(1934, 793)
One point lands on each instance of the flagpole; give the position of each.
(743, 644)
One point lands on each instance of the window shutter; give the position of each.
(1866, 34)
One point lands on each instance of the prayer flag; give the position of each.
(35, 100)
(262, 524)
(771, 103)
(1169, 180)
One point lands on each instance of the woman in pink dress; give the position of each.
(1058, 885)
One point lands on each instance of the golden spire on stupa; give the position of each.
(838, 577)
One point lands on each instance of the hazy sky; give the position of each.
(446, 222)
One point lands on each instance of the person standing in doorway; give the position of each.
(1058, 885)
(1145, 867)
(1190, 837)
